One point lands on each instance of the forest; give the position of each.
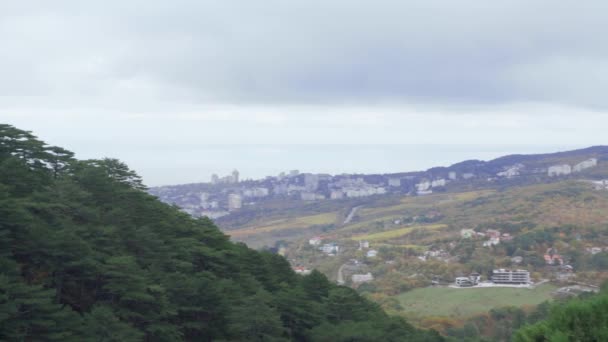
(87, 255)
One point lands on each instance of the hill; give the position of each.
(87, 255)
(553, 226)
(236, 203)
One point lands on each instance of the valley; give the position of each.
(404, 249)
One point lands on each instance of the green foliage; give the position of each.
(584, 319)
(87, 255)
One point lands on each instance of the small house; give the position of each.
(315, 241)
(362, 278)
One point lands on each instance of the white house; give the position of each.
(589, 163)
(463, 282)
(330, 248)
(301, 270)
(559, 170)
(438, 182)
(423, 186)
(372, 253)
(492, 242)
(517, 259)
(315, 241)
(511, 171)
(362, 278)
(394, 182)
(336, 194)
(467, 233)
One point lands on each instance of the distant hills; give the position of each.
(546, 213)
(228, 199)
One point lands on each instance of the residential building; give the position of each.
(423, 186)
(204, 197)
(438, 182)
(589, 163)
(372, 253)
(330, 248)
(315, 241)
(517, 259)
(493, 233)
(492, 242)
(308, 196)
(301, 270)
(362, 278)
(280, 189)
(230, 179)
(256, 192)
(475, 278)
(511, 172)
(363, 245)
(464, 282)
(559, 170)
(336, 194)
(552, 257)
(235, 201)
(311, 182)
(394, 182)
(504, 276)
(467, 233)
(600, 185)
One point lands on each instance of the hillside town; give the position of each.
(224, 195)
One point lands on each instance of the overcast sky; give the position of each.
(183, 89)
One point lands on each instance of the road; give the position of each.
(352, 213)
(340, 277)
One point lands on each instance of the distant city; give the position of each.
(226, 194)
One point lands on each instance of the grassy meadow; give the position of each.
(445, 301)
(391, 234)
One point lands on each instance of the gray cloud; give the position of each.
(141, 53)
(185, 88)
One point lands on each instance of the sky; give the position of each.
(183, 89)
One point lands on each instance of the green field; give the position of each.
(391, 234)
(442, 301)
(288, 223)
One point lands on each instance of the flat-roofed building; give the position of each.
(464, 282)
(503, 276)
(362, 278)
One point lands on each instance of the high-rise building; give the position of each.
(235, 176)
(311, 182)
(394, 182)
(235, 201)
